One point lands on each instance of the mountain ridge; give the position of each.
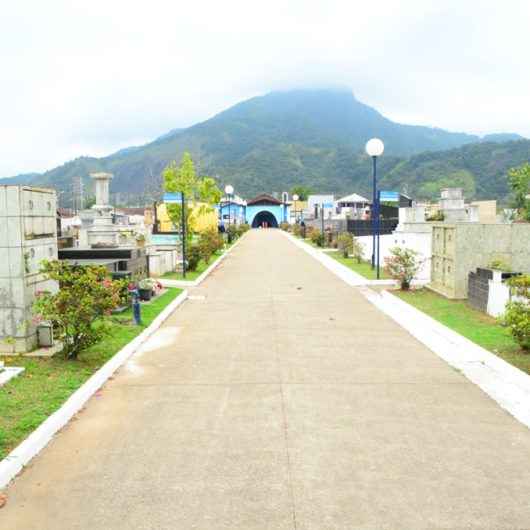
(272, 142)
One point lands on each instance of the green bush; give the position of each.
(345, 243)
(517, 319)
(242, 228)
(402, 265)
(233, 232)
(297, 230)
(210, 241)
(78, 310)
(317, 238)
(285, 226)
(193, 256)
(357, 250)
(517, 315)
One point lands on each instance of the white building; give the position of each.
(315, 203)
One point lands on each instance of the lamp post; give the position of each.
(375, 148)
(229, 190)
(295, 198)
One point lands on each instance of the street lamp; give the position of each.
(229, 190)
(295, 198)
(375, 148)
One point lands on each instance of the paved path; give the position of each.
(281, 400)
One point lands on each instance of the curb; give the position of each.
(202, 277)
(504, 383)
(15, 461)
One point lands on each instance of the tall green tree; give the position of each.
(519, 179)
(183, 179)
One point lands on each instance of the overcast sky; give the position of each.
(87, 78)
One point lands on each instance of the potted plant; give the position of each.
(140, 239)
(145, 289)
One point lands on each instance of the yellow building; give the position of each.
(200, 221)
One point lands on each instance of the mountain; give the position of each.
(272, 142)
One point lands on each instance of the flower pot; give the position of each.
(145, 294)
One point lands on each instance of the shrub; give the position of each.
(402, 265)
(193, 256)
(310, 230)
(345, 243)
(297, 230)
(357, 250)
(317, 238)
(517, 315)
(285, 226)
(78, 309)
(242, 228)
(210, 241)
(232, 232)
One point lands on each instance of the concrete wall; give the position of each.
(461, 248)
(28, 235)
(162, 261)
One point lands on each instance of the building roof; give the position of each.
(354, 197)
(264, 198)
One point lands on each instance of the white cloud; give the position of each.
(87, 78)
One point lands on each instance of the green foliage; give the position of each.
(317, 238)
(499, 264)
(402, 265)
(517, 319)
(303, 192)
(242, 228)
(517, 315)
(519, 179)
(285, 226)
(357, 250)
(210, 241)
(77, 311)
(183, 179)
(193, 256)
(345, 243)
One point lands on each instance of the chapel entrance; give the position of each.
(264, 220)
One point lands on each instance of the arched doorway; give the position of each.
(266, 219)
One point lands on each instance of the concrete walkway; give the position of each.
(279, 398)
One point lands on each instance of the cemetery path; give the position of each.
(277, 397)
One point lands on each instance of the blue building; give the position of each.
(266, 211)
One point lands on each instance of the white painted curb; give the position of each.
(504, 383)
(202, 277)
(15, 461)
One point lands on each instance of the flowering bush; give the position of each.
(210, 241)
(517, 315)
(402, 265)
(77, 311)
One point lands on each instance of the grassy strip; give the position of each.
(364, 268)
(27, 400)
(476, 326)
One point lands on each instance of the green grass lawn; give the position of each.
(472, 324)
(27, 400)
(364, 268)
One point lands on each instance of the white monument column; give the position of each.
(103, 234)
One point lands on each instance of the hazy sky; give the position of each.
(89, 77)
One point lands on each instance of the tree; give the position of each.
(182, 179)
(519, 179)
(303, 192)
(78, 309)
